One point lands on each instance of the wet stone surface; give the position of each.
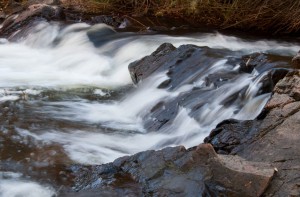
(184, 66)
(199, 170)
(244, 158)
(176, 172)
(272, 138)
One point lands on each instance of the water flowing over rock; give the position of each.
(273, 137)
(66, 98)
(187, 64)
(198, 170)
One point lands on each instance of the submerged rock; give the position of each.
(176, 172)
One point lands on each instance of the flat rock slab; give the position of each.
(176, 172)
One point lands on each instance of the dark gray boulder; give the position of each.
(143, 68)
(183, 64)
(176, 172)
(187, 64)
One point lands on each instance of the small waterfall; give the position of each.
(62, 90)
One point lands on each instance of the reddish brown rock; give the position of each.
(279, 100)
(296, 61)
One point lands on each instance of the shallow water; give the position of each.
(66, 99)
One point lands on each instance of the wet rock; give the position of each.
(16, 21)
(231, 133)
(259, 62)
(176, 172)
(113, 21)
(182, 65)
(219, 78)
(190, 65)
(272, 78)
(249, 62)
(272, 138)
(143, 68)
(276, 110)
(164, 113)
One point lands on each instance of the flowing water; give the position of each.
(67, 100)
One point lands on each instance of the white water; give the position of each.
(12, 185)
(36, 61)
(63, 59)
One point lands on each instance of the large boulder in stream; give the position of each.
(183, 65)
(273, 137)
(175, 172)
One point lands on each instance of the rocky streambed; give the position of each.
(75, 97)
(257, 157)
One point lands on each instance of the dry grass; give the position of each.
(87, 6)
(3, 4)
(277, 16)
(264, 15)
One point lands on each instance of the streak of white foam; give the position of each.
(11, 185)
(8, 98)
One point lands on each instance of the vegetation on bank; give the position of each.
(275, 16)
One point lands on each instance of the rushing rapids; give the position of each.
(68, 98)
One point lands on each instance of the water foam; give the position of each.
(12, 185)
(57, 57)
